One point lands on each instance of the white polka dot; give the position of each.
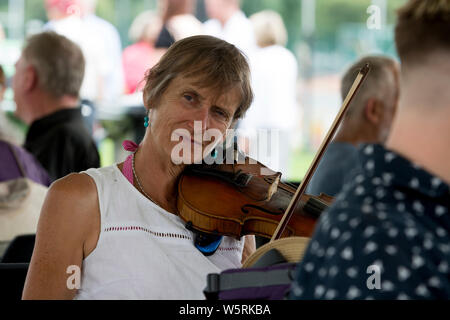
(403, 273)
(380, 193)
(441, 232)
(387, 177)
(399, 195)
(422, 290)
(418, 207)
(346, 236)
(377, 181)
(297, 290)
(393, 232)
(434, 282)
(414, 183)
(387, 286)
(368, 150)
(309, 267)
(367, 208)
(388, 157)
(370, 247)
(353, 292)
(444, 248)
(436, 182)
(354, 222)
(370, 165)
(359, 179)
(403, 296)
(369, 231)
(322, 272)
(330, 252)
(335, 233)
(331, 294)
(343, 217)
(382, 215)
(319, 291)
(392, 250)
(440, 210)
(352, 272)
(428, 244)
(347, 253)
(320, 252)
(359, 190)
(333, 271)
(417, 261)
(401, 207)
(443, 267)
(411, 232)
(314, 245)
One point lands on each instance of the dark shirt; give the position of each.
(337, 163)
(62, 144)
(385, 237)
(165, 38)
(10, 169)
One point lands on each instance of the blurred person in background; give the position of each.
(106, 34)
(274, 80)
(46, 89)
(141, 55)
(66, 18)
(179, 22)
(368, 120)
(23, 185)
(228, 22)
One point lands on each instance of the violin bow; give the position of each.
(337, 121)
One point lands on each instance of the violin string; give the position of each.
(139, 183)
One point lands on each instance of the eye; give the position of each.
(221, 113)
(188, 97)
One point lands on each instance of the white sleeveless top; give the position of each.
(145, 252)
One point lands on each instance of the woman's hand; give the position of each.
(67, 232)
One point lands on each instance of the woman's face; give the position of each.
(186, 114)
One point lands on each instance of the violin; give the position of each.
(237, 200)
(245, 197)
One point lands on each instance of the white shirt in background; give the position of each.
(274, 109)
(238, 31)
(75, 29)
(108, 36)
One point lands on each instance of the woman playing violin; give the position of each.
(114, 233)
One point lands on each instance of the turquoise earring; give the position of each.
(146, 121)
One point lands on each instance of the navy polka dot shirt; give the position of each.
(385, 237)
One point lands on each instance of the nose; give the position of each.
(201, 115)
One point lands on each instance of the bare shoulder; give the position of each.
(71, 210)
(68, 228)
(73, 198)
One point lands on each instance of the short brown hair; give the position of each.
(423, 27)
(58, 61)
(381, 83)
(216, 64)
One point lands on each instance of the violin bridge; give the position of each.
(274, 187)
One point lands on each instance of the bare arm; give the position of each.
(67, 231)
